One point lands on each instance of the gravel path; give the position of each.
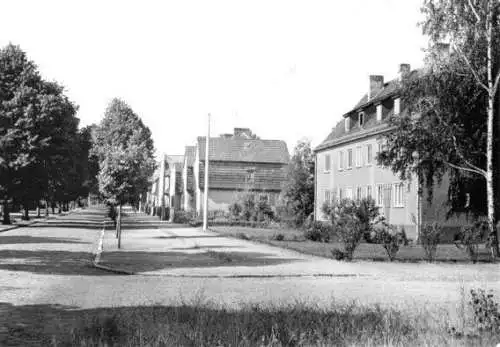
(49, 263)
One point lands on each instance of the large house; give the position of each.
(166, 186)
(238, 162)
(346, 164)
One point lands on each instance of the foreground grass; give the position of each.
(208, 325)
(294, 239)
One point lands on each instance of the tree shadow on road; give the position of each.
(24, 239)
(50, 262)
(137, 261)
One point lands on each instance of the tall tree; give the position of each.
(456, 101)
(20, 122)
(299, 190)
(126, 156)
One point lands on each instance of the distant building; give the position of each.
(188, 187)
(238, 162)
(166, 185)
(346, 166)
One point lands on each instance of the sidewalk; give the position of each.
(157, 248)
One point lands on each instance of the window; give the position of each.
(358, 156)
(349, 158)
(369, 154)
(369, 193)
(361, 119)
(398, 196)
(467, 200)
(348, 193)
(327, 196)
(397, 106)
(359, 193)
(380, 195)
(341, 160)
(327, 163)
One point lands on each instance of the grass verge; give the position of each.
(294, 239)
(208, 325)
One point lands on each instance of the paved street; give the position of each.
(50, 263)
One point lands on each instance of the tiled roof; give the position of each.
(190, 154)
(338, 133)
(245, 150)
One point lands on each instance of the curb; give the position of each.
(39, 220)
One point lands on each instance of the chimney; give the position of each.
(243, 132)
(404, 70)
(376, 85)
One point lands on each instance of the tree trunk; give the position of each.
(119, 226)
(38, 211)
(46, 208)
(59, 208)
(490, 194)
(26, 215)
(6, 213)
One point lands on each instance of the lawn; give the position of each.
(294, 239)
(204, 324)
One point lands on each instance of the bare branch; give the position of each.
(471, 68)
(478, 172)
(474, 10)
(495, 86)
(471, 166)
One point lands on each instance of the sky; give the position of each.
(285, 69)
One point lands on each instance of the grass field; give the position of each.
(205, 324)
(294, 239)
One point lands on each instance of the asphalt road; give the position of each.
(50, 264)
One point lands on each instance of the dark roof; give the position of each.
(189, 155)
(242, 176)
(245, 150)
(371, 126)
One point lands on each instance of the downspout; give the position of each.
(315, 185)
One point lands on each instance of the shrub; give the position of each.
(235, 209)
(350, 232)
(242, 236)
(429, 239)
(338, 254)
(318, 231)
(183, 217)
(390, 237)
(486, 311)
(263, 211)
(279, 237)
(470, 237)
(248, 207)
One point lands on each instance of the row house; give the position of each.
(238, 162)
(346, 165)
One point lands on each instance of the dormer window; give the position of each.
(347, 124)
(397, 106)
(361, 119)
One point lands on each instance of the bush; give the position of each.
(486, 312)
(263, 211)
(350, 232)
(429, 239)
(279, 237)
(183, 217)
(470, 237)
(318, 231)
(235, 209)
(338, 254)
(390, 237)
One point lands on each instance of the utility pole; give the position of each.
(205, 203)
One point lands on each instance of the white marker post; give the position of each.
(205, 203)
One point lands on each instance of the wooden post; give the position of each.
(205, 198)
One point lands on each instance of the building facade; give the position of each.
(238, 162)
(346, 165)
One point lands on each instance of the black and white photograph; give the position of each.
(266, 173)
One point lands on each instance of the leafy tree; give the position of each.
(473, 29)
(126, 157)
(21, 118)
(299, 191)
(448, 128)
